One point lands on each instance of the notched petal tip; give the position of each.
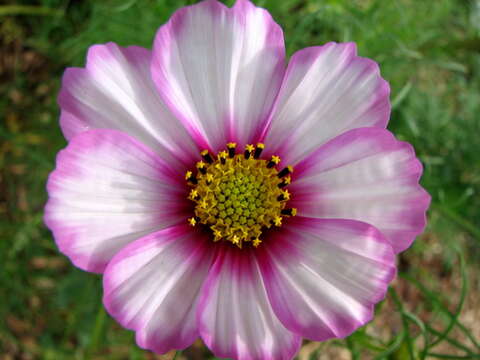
(252, 50)
(150, 277)
(384, 189)
(331, 83)
(324, 276)
(90, 209)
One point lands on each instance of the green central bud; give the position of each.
(241, 199)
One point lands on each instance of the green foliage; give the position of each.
(427, 50)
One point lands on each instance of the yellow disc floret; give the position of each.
(239, 195)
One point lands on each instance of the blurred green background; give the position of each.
(429, 51)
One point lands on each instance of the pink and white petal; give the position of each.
(220, 69)
(326, 91)
(106, 191)
(235, 318)
(366, 175)
(152, 285)
(323, 276)
(115, 91)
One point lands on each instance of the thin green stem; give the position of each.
(29, 10)
(442, 307)
(401, 309)
(459, 220)
(459, 308)
(449, 340)
(421, 325)
(456, 357)
(353, 350)
(397, 342)
(97, 333)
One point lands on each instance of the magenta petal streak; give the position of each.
(225, 92)
(323, 276)
(366, 175)
(115, 91)
(234, 315)
(106, 191)
(152, 285)
(327, 90)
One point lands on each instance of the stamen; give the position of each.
(193, 195)
(285, 171)
(201, 166)
(275, 160)
(222, 155)
(284, 196)
(258, 150)
(285, 181)
(236, 240)
(209, 179)
(248, 151)
(191, 178)
(256, 242)
(231, 149)
(217, 234)
(289, 212)
(206, 156)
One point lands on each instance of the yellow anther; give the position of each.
(200, 165)
(217, 234)
(209, 177)
(277, 221)
(235, 239)
(192, 221)
(231, 145)
(193, 194)
(222, 154)
(204, 152)
(203, 204)
(284, 196)
(287, 180)
(188, 175)
(249, 147)
(261, 146)
(294, 211)
(275, 160)
(256, 242)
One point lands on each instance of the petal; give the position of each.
(323, 276)
(219, 69)
(366, 175)
(326, 91)
(235, 318)
(115, 91)
(152, 286)
(106, 191)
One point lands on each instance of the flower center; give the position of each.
(239, 195)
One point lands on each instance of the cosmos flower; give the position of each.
(227, 196)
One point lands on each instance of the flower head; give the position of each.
(227, 196)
